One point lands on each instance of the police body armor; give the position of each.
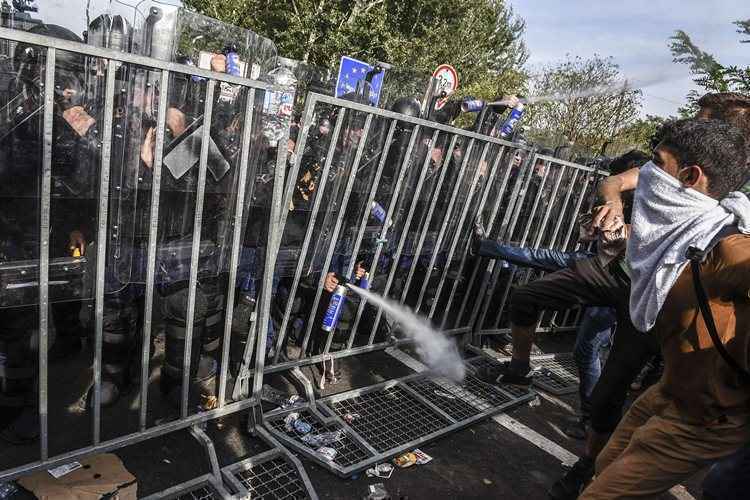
(73, 191)
(175, 34)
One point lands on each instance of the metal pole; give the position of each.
(311, 223)
(404, 235)
(44, 234)
(446, 219)
(101, 247)
(386, 226)
(247, 133)
(153, 226)
(428, 218)
(195, 255)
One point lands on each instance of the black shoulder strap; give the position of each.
(696, 256)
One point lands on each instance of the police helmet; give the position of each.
(30, 54)
(407, 106)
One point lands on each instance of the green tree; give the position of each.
(582, 101)
(709, 74)
(637, 135)
(482, 39)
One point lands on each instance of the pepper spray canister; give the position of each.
(335, 306)
(513, 118)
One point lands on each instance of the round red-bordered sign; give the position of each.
(447, 80)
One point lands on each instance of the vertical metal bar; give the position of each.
(371, 199)
(545, 219)
(568, 234)
(521, 243)
(236, 242)
(518, 195)
(428, 218)
(101, 247)
(44, 235)
(481, 263)
(274, 236)
(444, 226)
(564, 207)
(537, 199)
(386, 226)
(404, 236)
(196, 244)
(305, 126)
(457, 236)
(153, 226)
(366, 214)
(335, 235)
(311, 223)
(465, 251)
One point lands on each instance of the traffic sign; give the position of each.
(447, 81)
(351, 72)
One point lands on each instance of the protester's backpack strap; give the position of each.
(697, 256)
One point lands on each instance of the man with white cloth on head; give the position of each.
(700, 410)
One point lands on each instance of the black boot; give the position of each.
(574, 481)
(203, 369)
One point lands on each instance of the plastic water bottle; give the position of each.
(335, 306)
(233, 61)
(364, 281)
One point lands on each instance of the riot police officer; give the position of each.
(75, 156)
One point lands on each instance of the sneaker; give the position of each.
(513, 378)
(574, 481)
(502, 374)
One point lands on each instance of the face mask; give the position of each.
(667, 219)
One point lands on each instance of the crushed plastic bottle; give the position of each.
(323, 439)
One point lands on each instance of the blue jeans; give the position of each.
(595, 330)
(729, 478)
(544, 259)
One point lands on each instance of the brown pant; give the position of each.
(655, 448)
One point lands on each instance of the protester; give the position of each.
(616, 194)
(700, 410)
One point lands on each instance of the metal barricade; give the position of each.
(249, 253)
(543, 215)
(168, 216)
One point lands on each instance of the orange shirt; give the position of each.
(702, 384)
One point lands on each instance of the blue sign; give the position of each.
(351, 72)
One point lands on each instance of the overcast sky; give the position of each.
(635, 33)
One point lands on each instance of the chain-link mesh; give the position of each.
(348, 452)
(273, 479)
(203, 492)
(484, 363)
(390, 418)
(557, 375)
(460, 401)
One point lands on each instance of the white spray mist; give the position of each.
(436, 350)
